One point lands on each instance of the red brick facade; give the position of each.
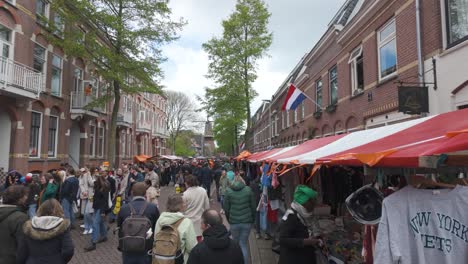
(143, 122)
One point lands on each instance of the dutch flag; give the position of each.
(293, 99)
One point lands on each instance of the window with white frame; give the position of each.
(59, 25)
(42, 9)
(56, 82)
(387, 50)
(318, 95)
(6, 46)
(287, 118)
(78, 80)
(456, 21)
(35, 135)
(52, 136)
(100, 143)
(296, 116)
(302, 110)
(123, 142)
(333, 85)
(129, 144)
(92, 140)
(39, 61)
(356, 64)
(129, 104)
(276, 127)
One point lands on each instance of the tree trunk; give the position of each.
(113, 126)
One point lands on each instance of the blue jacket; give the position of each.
(69, 189)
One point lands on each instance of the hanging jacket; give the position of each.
(47, 240)
(216, 246)
(239, 204)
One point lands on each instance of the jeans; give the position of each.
(87, 215)
(221, 200)
(257, 223)
(240, 233)
(207, 187)
(32, 210)
(68, 210)
(135, 259)
(99, 228)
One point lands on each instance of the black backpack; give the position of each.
(133, 232)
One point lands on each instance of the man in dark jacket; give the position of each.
(68, 195)
(216, 246)
(217, 176)
(206, 178)
(151, 212)
(12, 218)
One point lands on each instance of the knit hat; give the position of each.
(303, 193)
(230, 175)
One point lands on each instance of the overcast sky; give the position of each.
(296, 25)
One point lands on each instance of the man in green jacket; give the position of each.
(12, 217)
(240, 208)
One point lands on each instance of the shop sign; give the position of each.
(413, 99)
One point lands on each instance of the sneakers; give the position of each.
(85, 232)
(91, 247)
(90, 231)
(82, 226)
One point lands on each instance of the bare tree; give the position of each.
(180, 113)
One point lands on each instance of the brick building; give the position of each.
(43, 94)
(355, 68)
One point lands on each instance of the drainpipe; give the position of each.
(418, 43)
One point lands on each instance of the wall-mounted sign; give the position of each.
(413, 99)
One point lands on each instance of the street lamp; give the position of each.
(269, 112)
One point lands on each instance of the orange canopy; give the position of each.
(244, 154)
(141, 158)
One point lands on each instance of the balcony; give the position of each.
(20, 80)
(160, 132)
(125, 119)
(79, 105)
(143, 127)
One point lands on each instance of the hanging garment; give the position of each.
(368, 243)
(424, 226)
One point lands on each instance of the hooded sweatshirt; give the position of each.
(239, 204)
(47, 240)
(188, 238)
(12, 218)
(216, 246)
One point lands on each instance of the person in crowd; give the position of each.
(240, 209)
(174, 171)
(223, 185)
(175, 207)
(217, 244)
(152, 176)
(296, 245)
(206, 176)
(100, 206)
(12, 218)
(257, 190)
(196, 201)
(124, 188)
(152, 193)
(112, 184)
(12, 178)
(151, 211)
(135, 176)
(52, 187)
(86, 194)
(47, 237)
(68, 195)
(35, 189)
(217, 177)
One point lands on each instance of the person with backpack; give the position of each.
(12, 217)
(296, 243)
(68, 195)
(135, 243)
(217, 244)
(173, 224)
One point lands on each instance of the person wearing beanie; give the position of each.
(297, 241)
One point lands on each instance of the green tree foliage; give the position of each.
(119, 40)
(233, 66)
(183, 144)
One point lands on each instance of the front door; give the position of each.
(5, 137)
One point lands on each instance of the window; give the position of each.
(52, 137)
(35, 135)
(457, 21)
(287, 118)
(59, 26)
(92, 140)
(56, 83)
(387, 50)
(78, 80)
(123, 142)
(302, 110)
(333, 75)
(39, 58)
(129, 146)
(42, 8)
(101, 140)
(296, 116)
(5, 42)
(13, 2)
(357, 71)
(318, 95)
(276, 126)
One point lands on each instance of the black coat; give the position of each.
(216, 248)
(100, 200)
(12, 219)
(292, 249)
(69, 190)
(111, 182)
(46, 245)
(206, 175)
(151, 212)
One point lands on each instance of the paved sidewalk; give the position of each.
(260, 251)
